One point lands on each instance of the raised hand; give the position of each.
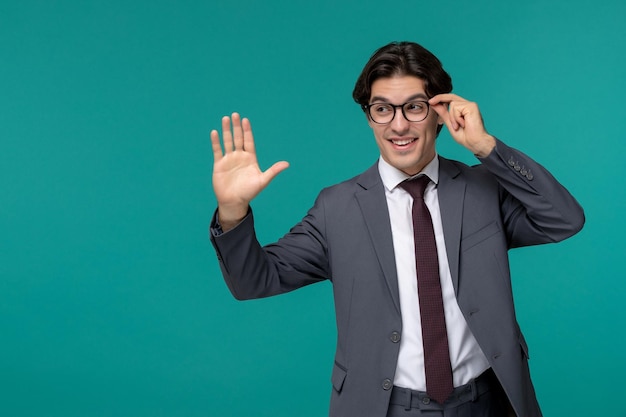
(237, 178)
(464, 123)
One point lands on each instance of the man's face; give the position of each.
(407, 146)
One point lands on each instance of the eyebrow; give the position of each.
(411, 98)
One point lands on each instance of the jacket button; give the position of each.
(387, 384)
(394, 337)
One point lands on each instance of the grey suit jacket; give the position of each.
(507, 201)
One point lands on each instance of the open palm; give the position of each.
(237, 177)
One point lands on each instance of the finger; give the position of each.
(274, 170)
(227, 135)
(444, 111)
(445, 98)
(248, 138)
(440, 108)
(216, 146)
(457, 113)
(469, 113)
(237, 132)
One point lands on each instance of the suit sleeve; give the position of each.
(536, 208)
(253, 271)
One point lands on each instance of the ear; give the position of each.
(440, 124)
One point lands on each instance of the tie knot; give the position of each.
(416, 186)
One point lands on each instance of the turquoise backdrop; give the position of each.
(111, 299)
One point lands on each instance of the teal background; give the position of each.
(111, 300)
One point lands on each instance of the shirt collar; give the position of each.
(392, 176)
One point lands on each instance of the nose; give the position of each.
(400, 124)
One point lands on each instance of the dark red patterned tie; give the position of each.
(435, 339)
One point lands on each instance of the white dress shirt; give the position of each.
(467, 359)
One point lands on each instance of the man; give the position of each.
(425, 317)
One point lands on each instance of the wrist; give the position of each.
(484, 147)
(230, 217)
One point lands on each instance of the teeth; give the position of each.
(402, 142)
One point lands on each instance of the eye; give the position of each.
(381, 108)
(415, 107)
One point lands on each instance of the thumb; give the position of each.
(442, 110)
(274, 170)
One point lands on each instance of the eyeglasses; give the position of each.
(383, 113)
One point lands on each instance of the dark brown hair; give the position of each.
(402, 58)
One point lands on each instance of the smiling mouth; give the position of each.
(402, 142)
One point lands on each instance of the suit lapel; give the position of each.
(451, 193)
(373, 204)
(372, 201)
